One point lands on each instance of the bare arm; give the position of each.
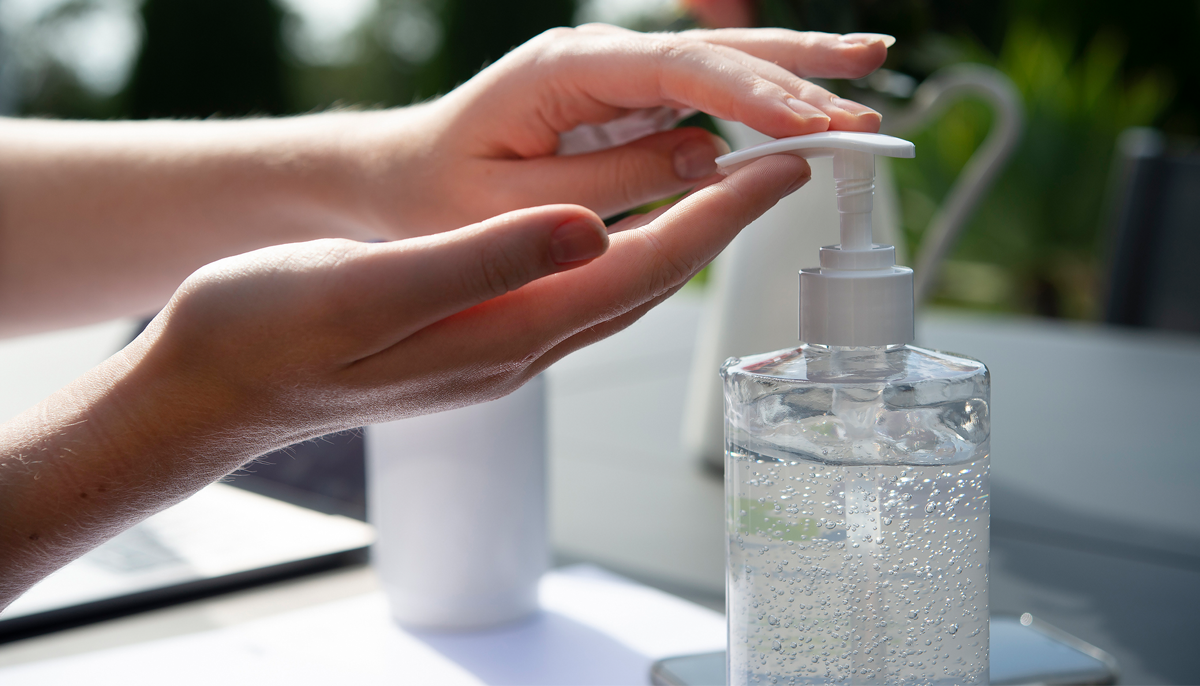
(106, 219)
(262, 349)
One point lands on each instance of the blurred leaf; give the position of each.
(1041, 221)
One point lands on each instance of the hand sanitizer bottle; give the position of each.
(856, 473)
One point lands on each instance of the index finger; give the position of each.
(810, 54)
(593, 74)
(564, 312)
(651, 260)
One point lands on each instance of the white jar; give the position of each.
(458, 500)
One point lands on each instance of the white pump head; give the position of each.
(858, 296)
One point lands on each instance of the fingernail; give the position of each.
(577, 240)
(868, 38)
(855, 108)
(797, 185)
(696, 158)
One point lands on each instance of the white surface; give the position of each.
(33, 367)
(594, 628)
(219, 531)
(459, 501)
(622, 489)
(1091, 440)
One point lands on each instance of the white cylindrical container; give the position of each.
(458, 500)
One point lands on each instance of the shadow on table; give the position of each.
(1127, 596)
(548, 650)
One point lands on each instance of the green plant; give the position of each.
(1036, 242)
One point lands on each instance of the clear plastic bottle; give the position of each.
(857, 512)
(856, 472)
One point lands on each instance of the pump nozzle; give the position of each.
(858, 297)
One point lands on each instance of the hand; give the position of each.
(151, 202)
(261, 350)
(488, 147)
(303, 339)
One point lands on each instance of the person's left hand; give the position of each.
(488, 147)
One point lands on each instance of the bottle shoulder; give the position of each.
(899, 405)
(902, 364)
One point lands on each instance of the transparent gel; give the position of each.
(857, 510)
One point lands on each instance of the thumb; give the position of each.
(619, 179)
(432, 277)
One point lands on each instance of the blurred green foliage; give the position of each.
(1086, 70)
(1037, 241)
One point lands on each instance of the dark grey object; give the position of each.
(1155, 219)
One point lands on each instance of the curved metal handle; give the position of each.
(932, 98)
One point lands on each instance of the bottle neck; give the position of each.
(858, 359)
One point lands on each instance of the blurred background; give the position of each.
(1039, 243)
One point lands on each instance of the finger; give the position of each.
(807, 53)
(618, 179)
(592, 80)
(668, 251)
(641, 266)
(844, 115)
(722, 79)
(599, 27)
(637, 221)
(646, 262)
(598, 332)
(783, 56)
(433, 277)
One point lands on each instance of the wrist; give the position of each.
(369, 172)
(113, 447)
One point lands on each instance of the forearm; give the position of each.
(124, 441)
(105, 219)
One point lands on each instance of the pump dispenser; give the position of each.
(858, 296)
(856, 471)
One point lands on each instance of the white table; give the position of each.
(594, 628)
(1096, 510)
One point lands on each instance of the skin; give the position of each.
(287, 326)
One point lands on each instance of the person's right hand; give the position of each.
(105, 219)
(489, 146)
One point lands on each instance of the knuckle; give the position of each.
(555, 35)
(597, 27)
(628, 178)
(669, 270)
(500, 269)
(671, 47)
